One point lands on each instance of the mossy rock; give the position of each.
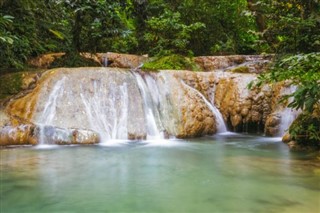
(73, 60)
(240, 69)
(172, 62)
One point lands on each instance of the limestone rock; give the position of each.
(33, 134)
(111, 59)
(286, 138)
(187, 115)
(54, 135)
(17, 135)
(44, 61)
(247, 63)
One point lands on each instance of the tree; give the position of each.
(292, 26)
(92, 21)
(167, 34)
(28, 30)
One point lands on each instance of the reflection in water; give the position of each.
(224, 173)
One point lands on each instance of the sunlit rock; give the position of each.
(235, 63)
(17, 135)
(119, 60)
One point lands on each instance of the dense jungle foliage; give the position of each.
(288, 28)
(156, 27)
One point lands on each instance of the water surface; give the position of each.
(226, 173)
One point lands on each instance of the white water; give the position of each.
(287, 115)
(50, 109)
(107, 114)
(221, 127)
(150, 109)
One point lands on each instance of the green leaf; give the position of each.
(58, 34)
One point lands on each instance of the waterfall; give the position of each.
(110, 104)
(50, 108)
(287, 115)
(100, 106)
(150, 96)
(107, 114)
(221, 127)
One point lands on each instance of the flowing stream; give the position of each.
(221, 126)
(287, 115)
(150, 109)
(226, 173)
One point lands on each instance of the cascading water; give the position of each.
(107, 114)
(287, 115)
(106, 104)
(150, 105)
(50, 110)
(221, 127)
(98, 103)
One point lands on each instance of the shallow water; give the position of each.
(226, 173)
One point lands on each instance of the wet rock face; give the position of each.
(244, 110)
(96, 98)
(87, 105)
(184, 113)
(109, 102)
(278, 122)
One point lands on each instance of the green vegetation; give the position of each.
(10, 84)
(240, 69)
(172, 62)
(306, 129)
(302, 70)
(29, 28)
(203, 27)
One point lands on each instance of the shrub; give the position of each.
(172, 62)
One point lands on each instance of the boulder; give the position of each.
(32, 134)
(119, 60)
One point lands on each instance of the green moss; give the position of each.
(10, 84)
(74, 60)
(240, 69)
(172, 62)
(305, 130)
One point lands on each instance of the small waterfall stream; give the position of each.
(287, 115)
(49, 111)
(221, 126)
(149, 102)
(107, 114)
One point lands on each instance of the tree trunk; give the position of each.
(259, 17)
(76, 32)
